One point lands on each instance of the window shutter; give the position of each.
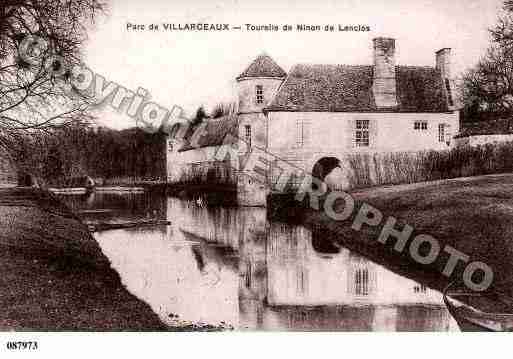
(299, 133)
(373, 133)
(351, 134)
(307, 133)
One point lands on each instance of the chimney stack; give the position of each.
(443, 62)
(384, 86)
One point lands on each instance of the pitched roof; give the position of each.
(345, 88)
(263, 66)
(217, 132)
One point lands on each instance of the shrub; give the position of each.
(409, 167)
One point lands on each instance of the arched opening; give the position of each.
(323, 243)
(324, 166)
(335, 175)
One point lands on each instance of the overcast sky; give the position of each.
(199, 68)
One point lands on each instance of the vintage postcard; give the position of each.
(276, 166)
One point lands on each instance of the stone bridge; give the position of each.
(329, 166)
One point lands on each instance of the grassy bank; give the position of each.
(54, 275)
(473, 215)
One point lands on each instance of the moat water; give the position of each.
(234, 268)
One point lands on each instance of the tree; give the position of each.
(31, 93)
(487, 89)
(53, 166)
(224, 109)
(200, 116)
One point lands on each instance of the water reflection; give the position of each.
(231, 265)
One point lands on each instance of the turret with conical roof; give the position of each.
(258, 84)
(263, 66)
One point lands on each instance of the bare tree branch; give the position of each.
(31, 96)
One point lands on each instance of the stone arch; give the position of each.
(324, 166)
(333, 171)
(323, 244)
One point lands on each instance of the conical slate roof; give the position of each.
(263, 66)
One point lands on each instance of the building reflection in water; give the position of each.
(231, 265)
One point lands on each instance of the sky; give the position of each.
(190, 69)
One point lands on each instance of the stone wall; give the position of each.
(247, 93)
(199, 166)
(478, 140)
(332, 135)
(334, 132)
(250, 112)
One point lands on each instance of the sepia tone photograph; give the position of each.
(241, 166)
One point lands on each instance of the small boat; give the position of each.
(106, 226)
(76, 185)
(463, 304)
(73, 190)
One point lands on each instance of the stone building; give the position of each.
(315, 115)
(188, 164)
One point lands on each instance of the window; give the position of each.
(259, 94)
(247, 134)
(302, 133)
(362, 133)
(420, 288)
(420, 125)
(441, 132)
(361, 281)
(247, 275)
(449, 93)
(302, 280)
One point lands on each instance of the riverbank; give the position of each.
(473, 215)
(54, 275)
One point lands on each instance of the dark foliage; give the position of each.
(410, 167)
(486, 88)
(101, 153)
(31, 95)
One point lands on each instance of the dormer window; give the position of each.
(259, 94)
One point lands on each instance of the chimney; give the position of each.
(443, 62)
(384, 86)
